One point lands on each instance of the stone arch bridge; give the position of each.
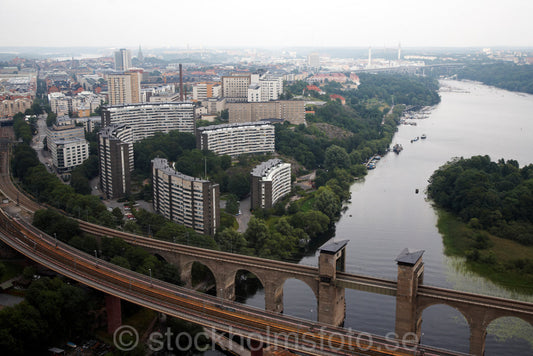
(329, 280)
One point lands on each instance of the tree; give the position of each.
(312, 222)
(232, 204)
(231, 241)
(257, 233)
(119, 217)
(327, 202)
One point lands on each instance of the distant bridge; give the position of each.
(412, 69)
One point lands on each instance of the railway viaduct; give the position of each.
(329, 280)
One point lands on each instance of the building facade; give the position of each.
(236, 139)
(115, 153)
(203, 91)
(235, 87)
(122, 59)
(148, 118)
(270, 181)
(67, 146)
(124, 87)
(289, 110)
(189, 201)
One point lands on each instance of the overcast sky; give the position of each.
(267, 23)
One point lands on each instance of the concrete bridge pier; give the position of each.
(477, 339)
(274, 297)
(225, 285)
(331, 300)
(114, 313)
(410, 276)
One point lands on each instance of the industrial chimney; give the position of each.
(181, 83)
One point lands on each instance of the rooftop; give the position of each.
(333, 247)
(407, 257)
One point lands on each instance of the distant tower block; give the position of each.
(369, 57)
(399, 51)
(331, 302)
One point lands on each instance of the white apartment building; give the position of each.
(271, 180)
(67, 146)
(147, 118)
(271, 87)
(187, 200)
(236, 139)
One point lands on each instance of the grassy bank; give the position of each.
(502, 261)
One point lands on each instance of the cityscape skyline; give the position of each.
(235, 23)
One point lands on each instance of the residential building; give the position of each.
(254, 93)
(313, 60)
(122, 59)
(189, 201)
(271, 87)
(115, 153)
(203, 91)
(215, 106)
(236, 139)
(289, 110)
(270, 181)
(148, 118)
(67, 146)
(124, 87)
(12, 106)
(235, 87)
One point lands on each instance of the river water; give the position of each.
(385, 215)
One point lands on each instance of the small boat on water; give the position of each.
(423, 137)
(397, 148)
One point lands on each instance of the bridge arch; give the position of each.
(248, 284)
(438, 331)
(304, 305)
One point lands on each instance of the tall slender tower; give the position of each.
(399, 51)
(140, 56)
(369, 57)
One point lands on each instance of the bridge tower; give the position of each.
(331, 301)
(410, 276)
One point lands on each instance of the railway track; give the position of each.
(272, 328)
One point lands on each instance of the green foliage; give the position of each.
(312, 222)
(52, 222)
(495, 196)
(405, 89)
(336, 157)
(170, 146)
(51, 119)
(327, 202)
(503, 75)
(232, 204)
(230, 240)
(53, 312)
(47, 188)
(22, 128)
